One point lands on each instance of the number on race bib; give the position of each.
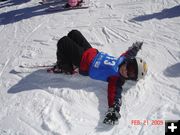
(110, 61)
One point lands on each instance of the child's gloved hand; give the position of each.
(112, 116)
(137, 45)
(133, 50)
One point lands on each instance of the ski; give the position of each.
(56, 70)
(50, 2)
(36, 66)
(61, 7)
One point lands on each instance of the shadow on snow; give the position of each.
(165, 13)
(9, 3)
(173, 71)
(40, 80)
(25, 13)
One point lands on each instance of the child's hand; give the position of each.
(133, 50)
(137, 45)
(112, 116)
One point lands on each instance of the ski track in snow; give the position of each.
(33, 102)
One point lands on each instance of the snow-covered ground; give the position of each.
(33, 102)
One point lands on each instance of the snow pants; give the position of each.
(70, 49)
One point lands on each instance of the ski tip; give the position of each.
(42, 3)
(21, 66)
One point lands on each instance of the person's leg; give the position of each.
(68, 53)
(77, 37)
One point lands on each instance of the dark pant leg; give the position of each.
(77, 37)
(68, 52)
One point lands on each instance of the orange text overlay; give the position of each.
(147, 122)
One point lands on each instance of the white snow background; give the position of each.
(33, 102)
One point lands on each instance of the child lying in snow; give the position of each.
(70, 3)
(73, 3)
(74, 50)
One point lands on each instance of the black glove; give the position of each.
(137, 45)
(133, 50)
(112, 116)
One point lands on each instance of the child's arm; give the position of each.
(114, 100)
(114, 90)
(133, 50)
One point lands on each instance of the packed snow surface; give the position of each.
(33, 102)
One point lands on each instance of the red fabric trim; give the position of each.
(112, 90)
(124, 54)
(87, 59)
